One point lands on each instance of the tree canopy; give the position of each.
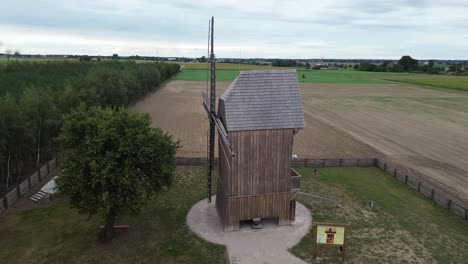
(113, 161)
(35, 96)
(408, 63)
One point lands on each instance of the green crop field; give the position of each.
(4, 60)
(404, 226)
(322, 76)
(192, 73)
(202, 75)
(444, 81)
(227, 66)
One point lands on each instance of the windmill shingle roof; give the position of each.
(263, 100)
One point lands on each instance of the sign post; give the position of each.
(330, 234)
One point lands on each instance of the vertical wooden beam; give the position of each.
(314, 254)
(5, 202)
(18, 190)
(432, 194)
(419, 186)
(343, 252)
(406, 179)
(449, 204)
(29, 182)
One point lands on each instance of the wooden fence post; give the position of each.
(5, 202)
(432, 194)
(406, 179)
(359, 162)
(449, 204)
(419, 186)
(18, 190)
(29, 182)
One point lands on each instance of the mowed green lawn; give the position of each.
(58, 234)
(404, 226)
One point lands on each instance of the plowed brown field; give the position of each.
(425, 129)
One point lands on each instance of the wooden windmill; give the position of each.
(257, 118)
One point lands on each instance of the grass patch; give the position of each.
(229, 66)
(321, 76)
(341, 76)
(58, 234)
(202, 75)
(443, 81)
(4, 60)
(227, 72)
(405, 227)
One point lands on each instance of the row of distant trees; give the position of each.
(9, 53)
(34, 97)
(408, 64)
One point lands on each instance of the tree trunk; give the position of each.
(8, 169)
(109, 227)
(17, 168)
(38, 147)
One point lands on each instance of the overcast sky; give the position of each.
(265, 28)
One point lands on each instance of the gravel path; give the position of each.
(247, 246)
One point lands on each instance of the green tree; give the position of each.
(41, 116)
(17, 54)
(14, 139)
(107, 85)
(113, 161)
(408, 63)
(430, 65)
(8, 53)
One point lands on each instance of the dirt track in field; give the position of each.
(425, 129)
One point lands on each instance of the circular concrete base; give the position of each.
(267, 245)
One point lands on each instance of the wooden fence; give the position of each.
(313, 163)
(13, 195)
(408, 176)
(420, 183)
